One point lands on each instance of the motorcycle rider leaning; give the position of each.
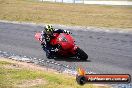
(47, 35)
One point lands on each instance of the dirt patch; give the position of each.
(30, 83)
(12, 66)
(20, 65)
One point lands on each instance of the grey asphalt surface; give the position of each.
(108, 52)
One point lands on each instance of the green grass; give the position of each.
(11, 78)
(67, 14)
(5, 63)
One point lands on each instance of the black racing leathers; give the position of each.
(46, 40)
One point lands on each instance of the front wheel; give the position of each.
(81, 54)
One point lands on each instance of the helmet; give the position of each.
(48, 29)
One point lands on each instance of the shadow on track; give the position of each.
(70, 59)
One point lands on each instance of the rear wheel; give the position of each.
(81, 54)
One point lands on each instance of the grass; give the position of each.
(4, 63)
(23, 77)
(67, 14)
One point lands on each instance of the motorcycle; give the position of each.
(66, 46)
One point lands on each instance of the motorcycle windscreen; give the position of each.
(66, 41)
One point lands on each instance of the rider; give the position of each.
(47, 35)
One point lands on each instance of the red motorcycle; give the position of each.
(66, 46)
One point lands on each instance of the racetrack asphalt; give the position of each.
(108, 52)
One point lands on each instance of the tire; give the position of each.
(81, 80)
(81, 54)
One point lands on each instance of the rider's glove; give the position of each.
(55, 50)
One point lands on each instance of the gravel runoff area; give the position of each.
(46, 63)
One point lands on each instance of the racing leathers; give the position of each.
(45, 40)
